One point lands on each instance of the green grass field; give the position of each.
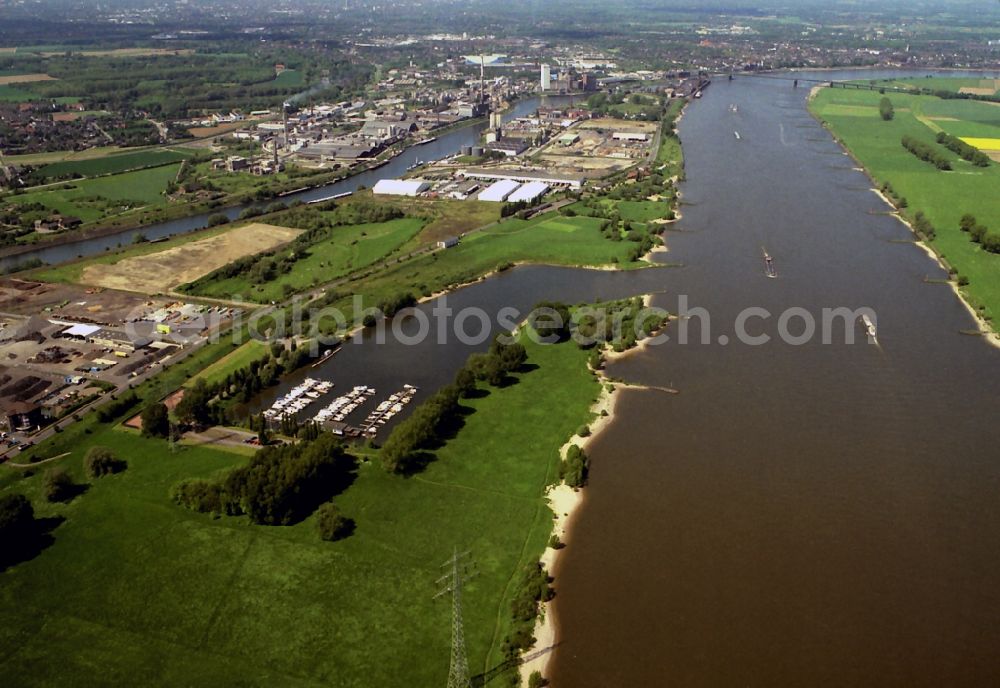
(240, 358)
(642, 211)
(934, 83)
(137, 591)
(13, 94)
(670, 157)
(550, 238)
(350, 248)
(547, 239)
(114, 164)
(95, 199)
(289, 77)
(59, 156)
(943, 196)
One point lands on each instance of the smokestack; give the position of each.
(482, 79)
(284, 119)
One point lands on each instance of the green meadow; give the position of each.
(348, 249)
(943, 196)
(549, 238)
(230, 363)
(137, 591)
(95, 199)
(289, 77)
(10, 93)
(670, 157)
(936, 83)
(114, 164)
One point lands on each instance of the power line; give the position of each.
(459, 569)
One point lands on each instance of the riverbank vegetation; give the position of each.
(670, 156)
(186, 539)
(189, 586)
(940, 197)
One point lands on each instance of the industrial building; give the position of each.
(523, 176)
(400, 187)
(499, 191)
(509, 147)
(546, 80)
(528, 193)
(119, 341)
(630, 136)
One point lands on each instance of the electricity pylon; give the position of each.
(451, 582)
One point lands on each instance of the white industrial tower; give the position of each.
(546, 77)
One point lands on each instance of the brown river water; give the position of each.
(799, 515)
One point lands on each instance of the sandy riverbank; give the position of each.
(564, 502)
(988, 334)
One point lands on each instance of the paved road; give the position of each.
(47, 432)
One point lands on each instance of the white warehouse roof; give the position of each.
(499, 191)
(82, 331)
(529, 192)
(400, 187)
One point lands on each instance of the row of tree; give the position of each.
(895, 197)
(926, 152)
(404, 450)
(205, 404)
(980, 234)
(21, 534)
(923, 226)
(533, 588)
(281, 485)
(963, 150)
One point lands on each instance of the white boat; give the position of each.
(869, 327)
(737, 135)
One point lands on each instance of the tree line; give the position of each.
(205, 404)
(280, 485)
(980, 234)
(963, 150)
(926, 152)
(404, 450)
